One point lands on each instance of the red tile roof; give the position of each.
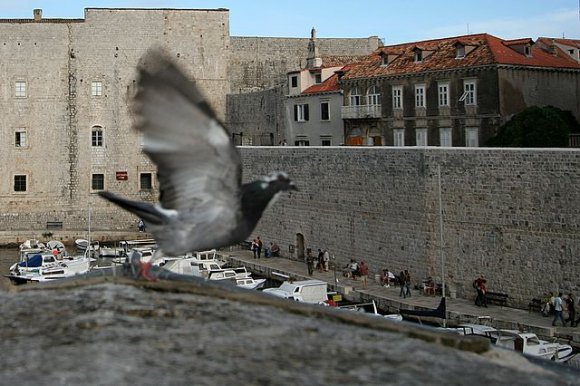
(329, 85)
(488, 50)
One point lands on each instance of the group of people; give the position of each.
(257, 245)
(356, 270)
(557, 304)
(405, 283)
(321, 262)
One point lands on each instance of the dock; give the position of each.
(388, 299)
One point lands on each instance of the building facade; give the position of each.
(454, 91)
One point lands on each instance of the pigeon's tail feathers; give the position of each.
(148, 212)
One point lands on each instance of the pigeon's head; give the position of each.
(277, 182)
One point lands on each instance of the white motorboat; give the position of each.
(251, 283)
(525, 342)
(83, 244)
(41, 266)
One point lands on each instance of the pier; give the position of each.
(388, 299)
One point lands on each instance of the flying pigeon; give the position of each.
(202, 203)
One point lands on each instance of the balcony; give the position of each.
(361, 111)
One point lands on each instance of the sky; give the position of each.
(394, 21)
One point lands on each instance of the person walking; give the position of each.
(571, 310)
(325, 260)
(310, 261)
(402, 283)
(558, 310)
(407, 283)
(364, 273)
(259, 248)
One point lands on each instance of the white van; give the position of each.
(308, 291)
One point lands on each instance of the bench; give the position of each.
(497, 298)
(535, 305)
(54, 225)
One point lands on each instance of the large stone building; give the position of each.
(455, 91)
(65, 88)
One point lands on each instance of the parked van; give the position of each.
(308, 291)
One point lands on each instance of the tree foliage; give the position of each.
(537, 127)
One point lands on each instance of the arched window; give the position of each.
(374, 96)
(97, 136)
(355, 97)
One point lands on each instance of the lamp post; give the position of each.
(442, 255)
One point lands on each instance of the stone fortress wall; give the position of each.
(512, 215)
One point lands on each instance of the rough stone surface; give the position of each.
(123, 334)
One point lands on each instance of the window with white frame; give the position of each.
(97, 88)
(420, 95)
(418, 56)
(397, 97)
(324, 111)
(443, 89)
(301, 112)
(20, 89)
(460, 52)
(302, 141)
(97, 181)
(471, 137)
(373, 96)
(20, 183)
(20, 138)
(97, 136)
(355, 97)
(399, 137)
(326, 140)
(469, 96)
(421, 137)
(445, 137)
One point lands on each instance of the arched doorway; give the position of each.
(300, 246)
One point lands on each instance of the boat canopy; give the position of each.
(32, 261)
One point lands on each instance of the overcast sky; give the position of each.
(395, 21)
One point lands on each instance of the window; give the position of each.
(374, 96)
(301, 113)
(326, 141)
(443, 94)
(20, 89)
(399, 137)
(384, 60)
(418, 56)
(20, 138)
(397, 97)
(317, 78)
(20, 183)
(324, 111)
(146, 181)
(471, 137)
(97, 88)
(420, 95)
(445, 137)
(421, 137)
(528, 50)
(355, 97)
(460, 53)
(97, 136)
(98, 181)
(469, 96)
(294, 81)
(302, 141)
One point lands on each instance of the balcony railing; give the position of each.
(361, 111)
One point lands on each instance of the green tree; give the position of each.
(536, 127)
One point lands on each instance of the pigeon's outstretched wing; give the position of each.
(198, 166)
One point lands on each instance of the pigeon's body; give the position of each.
(202, 202)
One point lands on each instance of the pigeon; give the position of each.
(202, 202)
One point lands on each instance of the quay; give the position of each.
(388, 299)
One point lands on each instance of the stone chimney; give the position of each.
(313, 60)
(37, 14)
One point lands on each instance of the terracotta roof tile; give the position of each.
(488, 50)
(329, 85)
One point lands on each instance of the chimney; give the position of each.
(37, 14)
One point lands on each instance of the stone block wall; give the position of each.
(512, 215)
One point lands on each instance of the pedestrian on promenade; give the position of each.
(364, 273)
(259, 242)
(402, 283)
(319, 263)
(325, 260)
(254, 248)
(571, 310)
(558, 310)
(310, 261)
(407, 283)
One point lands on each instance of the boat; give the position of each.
(524, 342)
(82, 244)
(426, 316)
(251, 283)
(45, 265)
